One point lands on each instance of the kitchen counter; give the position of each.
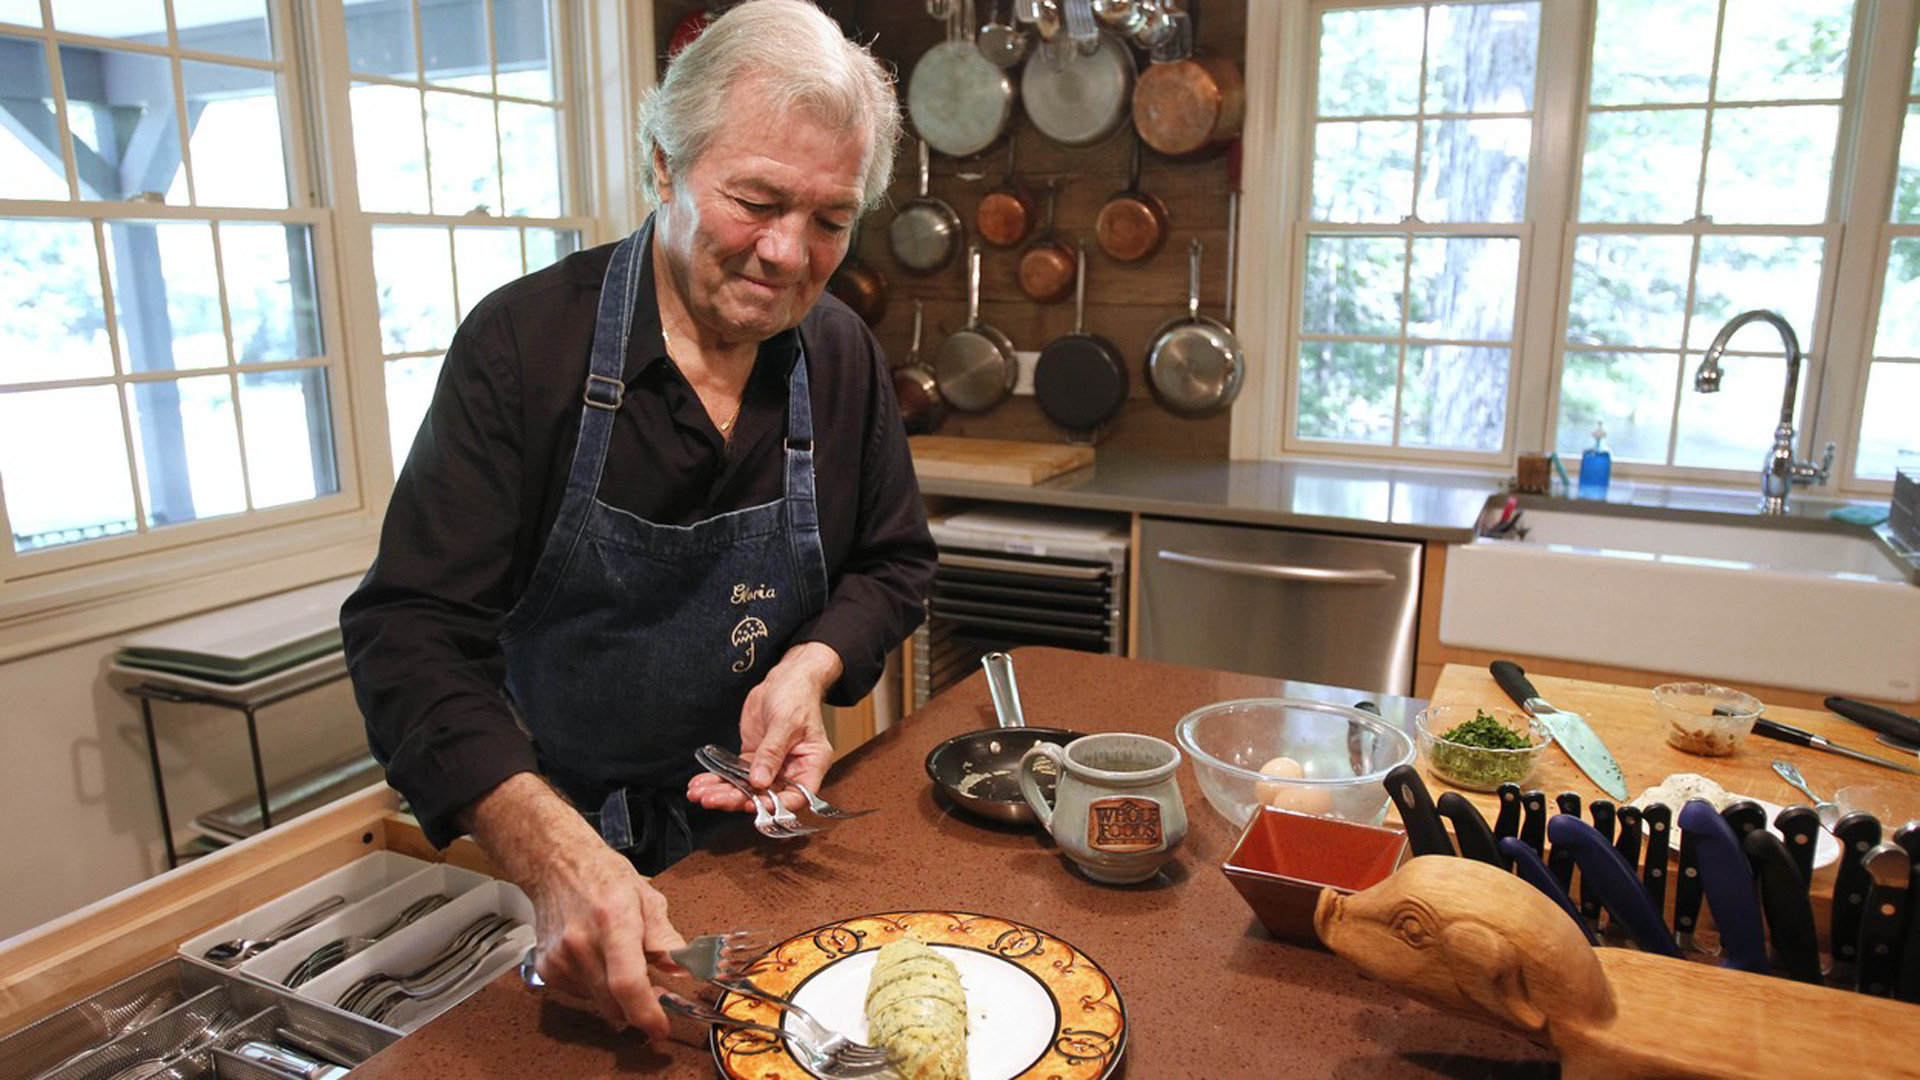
(1208, 993)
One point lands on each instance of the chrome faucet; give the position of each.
(1781, 471)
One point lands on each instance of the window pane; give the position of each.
(409, 391)
(1629, 290)
(380, 38)
(1771, 166)
(1463, 288)
(81, 493)
(483, 260)
(1370, 62)
(416, 287)
(1887, 426)
(133, 20)
(1455, 398)
(23, 12)
(454, 36)
(166, 295)
(548, 246)
(1641, 166)
(1347, 390)
(56, 323)
(289, 436)
(461, 148)
(1740, 273)
(120, 110)
(522, 50)
(389, 154)
(1647, 51)
(1480, 57)
(1899, 333)
(1474, 170)
(1363, 171)
(1733, 428)
(239, 157)
(1778, 50)
(30, 162)
(270, 292)
(187, 449)
(1906, 192)
(530, 151)
(1631, 393)
(235, 27)
(1353, 285)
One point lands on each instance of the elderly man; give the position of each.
(662, 499)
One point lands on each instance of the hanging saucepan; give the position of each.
(979, 771)
(1133, 224)
(926, 232)
(859, 286)
(1002, 41)
(1190, 105)
(1076, 99)
(1047, 270)
(917, 389)
(1080, 380)
(1195, 365)
(1005, 216)
(960, 102)
(976, 366)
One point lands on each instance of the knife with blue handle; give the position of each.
(1570, 730)
(1857, 833)
(1727, 879)
(1612, 883)
(1534, 872)
(1783, 896)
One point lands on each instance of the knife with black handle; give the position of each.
(1612, 883)
(1470, 829)
(1727, 879)
(1800, 831)
(1425, 834)
(1907, 985)
(1533, 824)
(1560, 863)
(1602, 811)
(1885, 919)
(1658, 818)
(1908, 836)
(1857, 833)
(1787, 733)
(1627, 843)
(1508, 822)
(1687, 893)
(1897, 726)
(1783, 896)
(1527, 864)
(1745, 816)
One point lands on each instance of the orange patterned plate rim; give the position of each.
(1090, 1020)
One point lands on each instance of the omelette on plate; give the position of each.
(917, 1012)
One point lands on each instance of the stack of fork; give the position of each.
(376, 996)
(328, 956)
(773, 820)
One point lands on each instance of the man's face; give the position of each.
(753, 230)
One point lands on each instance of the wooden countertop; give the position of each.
(1208, 992)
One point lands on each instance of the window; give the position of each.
(1519, 221)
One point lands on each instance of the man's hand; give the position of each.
(781, 733)
(597, 921)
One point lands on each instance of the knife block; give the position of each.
(1470, 939)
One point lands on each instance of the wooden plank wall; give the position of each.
(1126, 303)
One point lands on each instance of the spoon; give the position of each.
(229, 953)
(1829, 811)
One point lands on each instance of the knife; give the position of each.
(1533, 827)
(1745, 816)
(1425, 834)
(1786, 733)
(1686, 891)
(1560, 863)
(1857, 833)
(1653, 873)
(1470, 829)
(1611, 880)
(1908, 836)
(1900, 727)
(1534, 872)
(1508, 823)
(1570, 730)
(1628, 842)
(1727, 878)
(1783, 895)
(1800, 830)
(1602, 812)
(1886, 917)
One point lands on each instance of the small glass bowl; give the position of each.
(1479, 768)
(1705, 719)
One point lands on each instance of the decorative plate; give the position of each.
(1036, 1006)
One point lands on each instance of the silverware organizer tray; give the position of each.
(377, 888)
(154, 1014)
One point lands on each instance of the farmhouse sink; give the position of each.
(1798, 603)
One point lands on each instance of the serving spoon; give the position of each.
(1829, 811)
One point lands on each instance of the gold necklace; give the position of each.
(725, 426)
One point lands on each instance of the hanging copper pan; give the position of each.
(1133, 224)
(1190, 105)
(859, 286)
(1006, 214)
(1047, 270)
(921, 405)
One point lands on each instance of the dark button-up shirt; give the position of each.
(473, 506)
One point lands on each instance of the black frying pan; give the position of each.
(979, 772)
(1080, 381)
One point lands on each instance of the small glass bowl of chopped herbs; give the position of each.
(1480, 748)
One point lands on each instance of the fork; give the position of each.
(735, 764)
(833, 1064)
(334, 952)
(780, 824)
(709, 956)
(824, 1038)
(396, 993)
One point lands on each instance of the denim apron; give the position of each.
(637, 642)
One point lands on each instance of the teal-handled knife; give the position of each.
(1569, 729)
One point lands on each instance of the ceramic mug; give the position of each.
(1116, 811)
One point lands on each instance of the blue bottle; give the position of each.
(1596, 466)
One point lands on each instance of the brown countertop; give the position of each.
(1208, 992)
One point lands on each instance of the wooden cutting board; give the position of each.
(995, 461)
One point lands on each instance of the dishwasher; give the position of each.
(1316, 607)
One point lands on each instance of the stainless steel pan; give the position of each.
(1077, 99)
(979, 772)
(1195, 365)
(926, 232)
(976, 365)
(959, 100)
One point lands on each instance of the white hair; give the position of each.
(799, 59)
